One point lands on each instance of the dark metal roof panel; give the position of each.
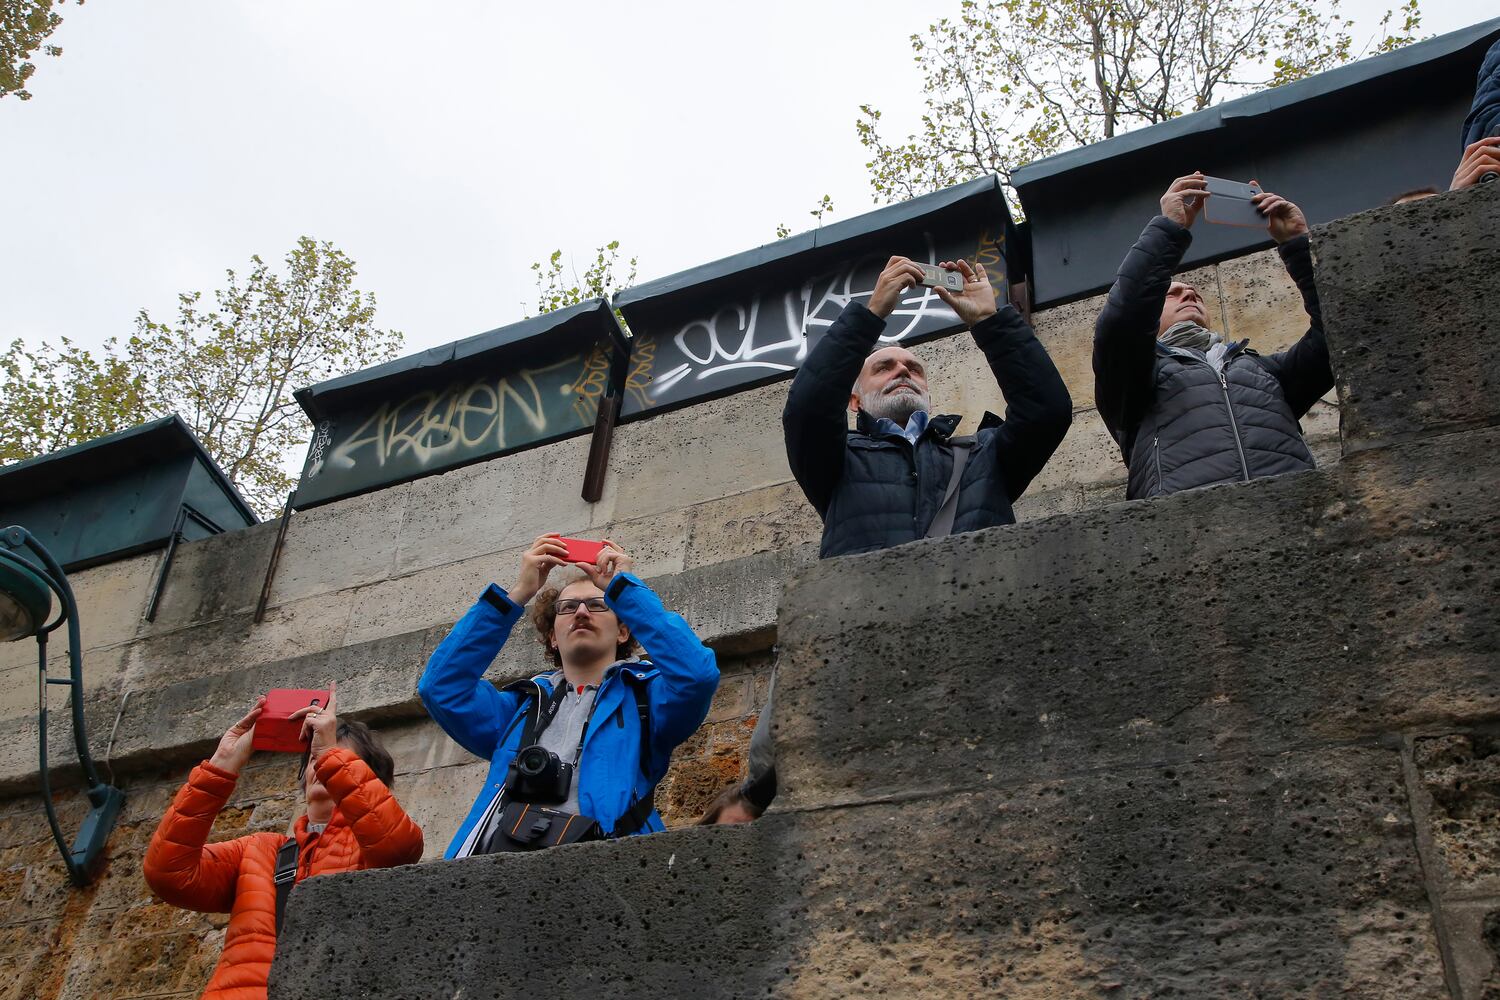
(591, 315)
(88, 463)
(1330, 82)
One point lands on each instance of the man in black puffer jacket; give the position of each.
(886, 481)
(1186, 407)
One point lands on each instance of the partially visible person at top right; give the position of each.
(1481, 134)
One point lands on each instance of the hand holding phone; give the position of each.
(1229, 203)
(279, 727)
(939, 277)
(1480, 163)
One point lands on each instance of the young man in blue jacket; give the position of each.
(608, 720)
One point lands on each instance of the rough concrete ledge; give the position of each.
(1325, 606)
(731, 605)
(1408, 293)
(1290, 876)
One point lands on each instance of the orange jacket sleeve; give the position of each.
(180, 867)
(386, 835)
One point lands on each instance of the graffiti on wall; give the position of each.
(767, 333)
(431, 429)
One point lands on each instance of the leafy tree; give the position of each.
(598, 281)
(1011, 81)
(53, 397)
(228, 369)
(25, 26)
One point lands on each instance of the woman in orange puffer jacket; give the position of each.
(352, 822)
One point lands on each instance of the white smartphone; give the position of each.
(936, 277)
(1229, 204)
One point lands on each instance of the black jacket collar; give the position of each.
(942, 425)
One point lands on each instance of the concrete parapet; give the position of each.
(1320, 606)
(1234, 742)
(1410, 329)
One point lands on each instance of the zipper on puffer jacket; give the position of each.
(1233, 426)
(1156, 455)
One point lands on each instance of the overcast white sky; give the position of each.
(443, 146)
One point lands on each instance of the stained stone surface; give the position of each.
(1237, 742)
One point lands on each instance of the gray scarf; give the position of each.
(1191, 335)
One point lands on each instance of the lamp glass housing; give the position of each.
(25, 601)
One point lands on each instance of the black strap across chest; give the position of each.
(285, 877)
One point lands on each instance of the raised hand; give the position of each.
(1184, 199)
(320, 724)
(1284, 220)
(1480, 158)
(899, 275)
(546, 553)
(611, 560)
(977, 301)
(234, 747)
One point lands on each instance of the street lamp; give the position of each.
(25, 605)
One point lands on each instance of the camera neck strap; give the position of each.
(543, 709)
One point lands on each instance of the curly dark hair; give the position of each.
(544, 616)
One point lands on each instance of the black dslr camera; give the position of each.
(538, 775)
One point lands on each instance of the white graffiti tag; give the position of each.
(429, 426)
(739, 337)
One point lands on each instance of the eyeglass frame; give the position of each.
(579, 602)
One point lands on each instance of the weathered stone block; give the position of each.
(702, 452)
(102, 667)
(236, 643)
(1323, 605)
(340, 545)
(1291, 875)
(1473, 937)
(765, 520)
(212, 578)
(494, 506)
(1460, 774)
(1408, 292)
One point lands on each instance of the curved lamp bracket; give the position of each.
(26, 591)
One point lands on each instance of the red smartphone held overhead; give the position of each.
(275, 729)
(581, 550)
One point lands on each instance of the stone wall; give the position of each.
(368, 586)
(1238, 742)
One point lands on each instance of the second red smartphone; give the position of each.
(275, 729)
(581, 550)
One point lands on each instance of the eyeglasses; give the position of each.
(569, 605)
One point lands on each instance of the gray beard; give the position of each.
(896, 406)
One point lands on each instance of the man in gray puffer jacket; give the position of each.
(1187, 407)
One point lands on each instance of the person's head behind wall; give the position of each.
(892, 384)
(1184, 304)
(1415, 194)
(584, 631)
(732, 807)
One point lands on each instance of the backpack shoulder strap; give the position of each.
(285, 877)
(942, 521)
(640, 811)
